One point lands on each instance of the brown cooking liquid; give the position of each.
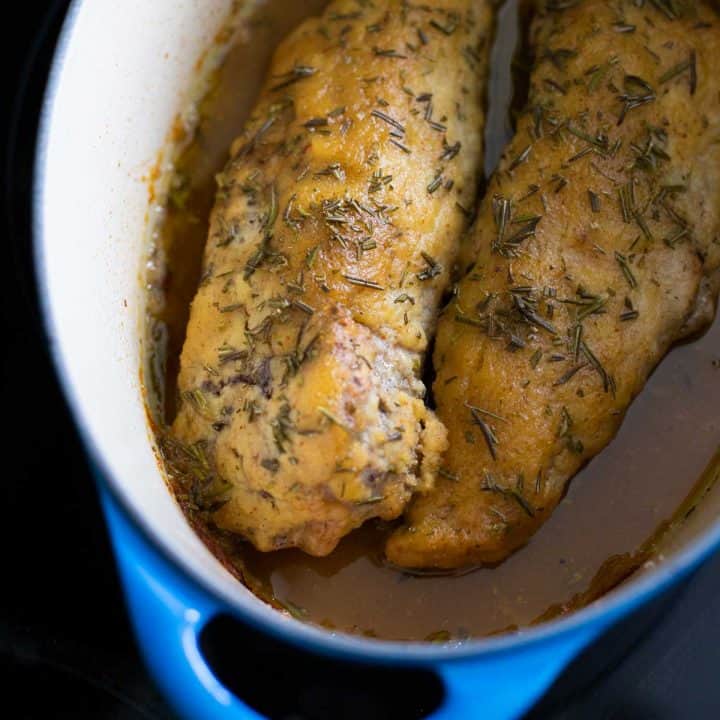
(615, 504)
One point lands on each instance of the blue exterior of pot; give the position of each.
(169, 610)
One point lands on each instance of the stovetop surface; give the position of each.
(66, 648)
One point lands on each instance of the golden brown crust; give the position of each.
(335, 228)
(588, 259)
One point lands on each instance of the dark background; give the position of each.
(66, 648)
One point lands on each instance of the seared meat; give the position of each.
(336, 225)
(596, 248)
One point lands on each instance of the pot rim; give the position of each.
(616, 602)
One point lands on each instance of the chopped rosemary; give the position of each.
(608, 381)
(404, 297)
(448, 29)
(640, 220)
(510, 246)
(567, 376)
(272, 209)
(316, 122)
(626, 271)
(272, 465)
(311, 255)
(520, 159)
(231, 308)
(372, 500)
(450, 151)
(666, 7)
(389, 53)
(490, 437)
(435, 183)
(678, 235)
(638, 92)
(432, 270)
(627, 201)
(402, 147)
(597, 75)
(593, 307)
(362, 282)
(594, 201)
(475, 409)
(686, 65)
(303, 306)
(292, 76)
(228, 354)
(489, 485)
(334, 418)
(294, 610)
(387, 119)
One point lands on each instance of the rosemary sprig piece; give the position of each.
(638, 92)
(490, 485)
(388, 53)
(622, 261)
(380, 115)
(362, 282)
(299, 72)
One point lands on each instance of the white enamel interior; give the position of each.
(120, 79)
(125, 73)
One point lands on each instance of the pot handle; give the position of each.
(168, 614)
(504, 686)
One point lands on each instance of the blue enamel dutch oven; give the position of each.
(120, 76)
